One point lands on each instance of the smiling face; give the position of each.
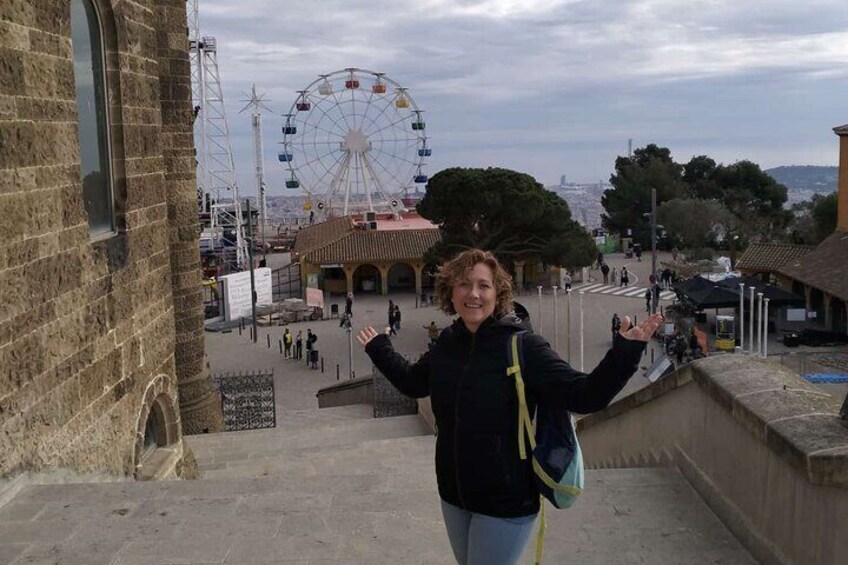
(474, 297)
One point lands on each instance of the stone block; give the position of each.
(14, 36)
(50, 44)
(11, 70)
(37, 110)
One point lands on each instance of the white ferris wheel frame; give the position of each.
(342, 163)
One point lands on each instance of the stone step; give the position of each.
(217, 448)
(407, 455)
(624, 516)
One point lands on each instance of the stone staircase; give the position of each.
(333, 487)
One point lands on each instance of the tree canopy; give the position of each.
(506, 212)
(753, 198)
(815, 219)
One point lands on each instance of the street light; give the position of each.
(556, 320)
(653, 217)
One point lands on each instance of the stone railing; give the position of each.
(764, 448)
(344, 393)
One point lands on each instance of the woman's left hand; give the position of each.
(643, 331)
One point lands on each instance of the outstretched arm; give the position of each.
(410, 379)
(551, 377)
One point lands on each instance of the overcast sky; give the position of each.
(553, 87)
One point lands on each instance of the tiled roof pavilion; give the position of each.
(766, 257)
(346, 243)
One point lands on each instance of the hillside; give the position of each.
(806, 177)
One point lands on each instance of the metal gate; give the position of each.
(247, 400)
(286, 282)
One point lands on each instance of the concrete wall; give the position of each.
(345, 393)
(764, 449)
(88, 328)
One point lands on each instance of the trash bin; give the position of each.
(334, 310)
(791, 339)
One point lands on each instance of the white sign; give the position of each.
(796, 314)
(235, 292)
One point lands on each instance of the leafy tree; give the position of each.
(506, 212)
(815, 219)
(693, 222)
(627, 203)
(699, 176)
(754, 197)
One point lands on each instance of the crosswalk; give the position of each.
(634, 291)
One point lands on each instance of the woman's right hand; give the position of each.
(366, 335)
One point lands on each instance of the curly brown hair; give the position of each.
(458, 268)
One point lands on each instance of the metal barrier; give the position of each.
(247, 399)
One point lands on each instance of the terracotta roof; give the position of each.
(317, 235)
(376, 245)
(770, 256)
(824, 268)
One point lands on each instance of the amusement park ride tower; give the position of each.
(216, 178)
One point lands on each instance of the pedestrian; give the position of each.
(397, 318)
(345, 321)
(392, 328)
(600, 260)
(616, 325)
(656, 289)
(605, 271)
(489, 498)
(625, 277)
(566, 282)
(349, 304)
(287, 344)
(432, 332)
(679, 346)
(311, 353)
(649, 295)
(638, 251)
(298, 345)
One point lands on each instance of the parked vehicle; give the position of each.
(814, 338)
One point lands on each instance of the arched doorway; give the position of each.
(401, 278)
(366, 278)
(156, 428)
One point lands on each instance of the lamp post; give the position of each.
(556, 321)
(765, 327)
(760, 325)
(250, 264)
(751, 325)
(539, 288)
(742, 316)
(654, 244)
(581, 330)
(568, 325)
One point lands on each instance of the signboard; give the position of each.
(796, 314)
(235, 292)
(314, 297)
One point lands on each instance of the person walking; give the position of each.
(432, 332)
(649, 295)
(489, 498)
(349, 304)
(287, 344)
(566, 282)
(625, 277)
(600, 260)
(298, 345)
(397, 318)
(605, 271)
(392, 328)
(311, 353)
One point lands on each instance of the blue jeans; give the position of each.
(477, 539)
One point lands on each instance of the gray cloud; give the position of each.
(557, 87)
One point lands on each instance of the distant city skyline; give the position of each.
(553, 87)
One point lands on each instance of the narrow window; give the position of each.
(92, 109)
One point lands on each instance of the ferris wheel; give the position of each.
(354, 140)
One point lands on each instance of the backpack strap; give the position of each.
(525, 423)
(525, 427)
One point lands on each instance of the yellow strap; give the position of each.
(540, 539)
(552, 484)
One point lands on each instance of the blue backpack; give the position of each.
(557, 459)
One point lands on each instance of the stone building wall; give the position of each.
(89, 326)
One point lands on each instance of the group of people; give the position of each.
(610, 274)
(293, 346)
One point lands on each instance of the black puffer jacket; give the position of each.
(476, 408)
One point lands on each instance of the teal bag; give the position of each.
(557, 458)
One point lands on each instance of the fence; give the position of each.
(247, 399)
(286, 282)
(814, 362)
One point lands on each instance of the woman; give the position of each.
(488, 494)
